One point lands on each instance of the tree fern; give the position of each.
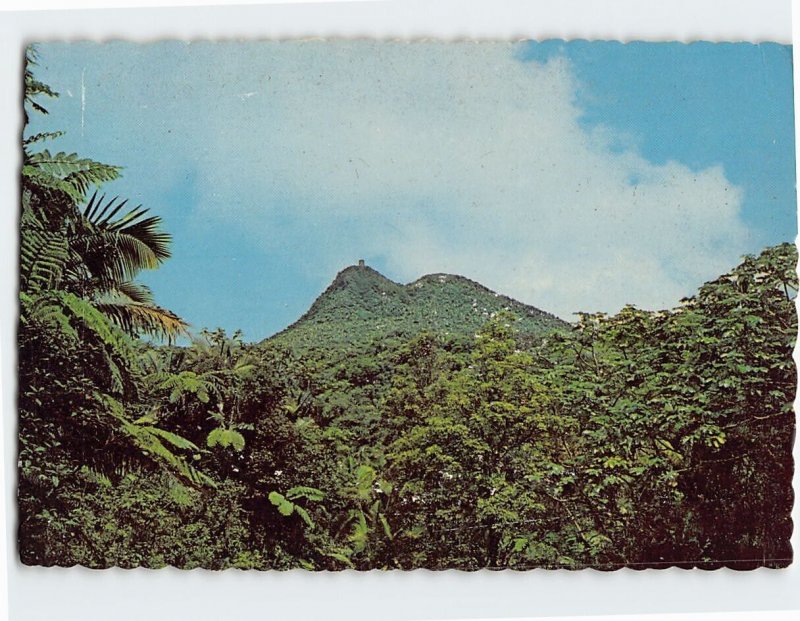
(79, 309)
(183, 383)
(226, 438)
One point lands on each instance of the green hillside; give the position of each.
(361, 305)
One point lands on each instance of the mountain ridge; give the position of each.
(361, 303)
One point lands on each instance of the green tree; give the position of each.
(80, 383)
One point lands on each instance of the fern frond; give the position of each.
(34, 176)
(95, 476)
(150, 362)
(117, 380)
(40, 137)
(62, 165)
(225, 438)
(149, 442)
(302, 491)
(174, 439)
(68, 172)
(305, 516)
(44, 256)
(45, 310)
(96, 323)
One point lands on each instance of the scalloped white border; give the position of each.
(77, 593)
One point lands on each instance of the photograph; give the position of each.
(378, 304)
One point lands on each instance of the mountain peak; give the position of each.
(361, 275)
(361, 304)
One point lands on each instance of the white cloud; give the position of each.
(459, 158)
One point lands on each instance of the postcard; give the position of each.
(378, 304)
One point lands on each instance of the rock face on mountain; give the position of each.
(363, 305)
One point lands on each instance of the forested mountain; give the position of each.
(434, 425)
(361, 305)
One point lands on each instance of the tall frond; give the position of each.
(136, 292)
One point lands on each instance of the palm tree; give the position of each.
(79, 258)
(113, 246)
(95, 251)
(95, 254)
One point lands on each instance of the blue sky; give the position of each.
(702, 104)
(572, 176)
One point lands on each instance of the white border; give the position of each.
(77, 593)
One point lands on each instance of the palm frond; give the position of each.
(119, 247)
(136, 292)
(112, 257)
(134, 224)
(136, 317)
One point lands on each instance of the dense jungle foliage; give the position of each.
(369, 435)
